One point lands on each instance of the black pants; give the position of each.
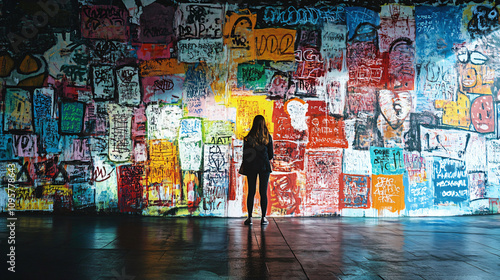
(252, 188)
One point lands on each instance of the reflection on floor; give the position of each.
(126, 247)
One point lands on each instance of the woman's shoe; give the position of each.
(264, 221)
(248, 221)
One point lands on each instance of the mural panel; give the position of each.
(390, 109)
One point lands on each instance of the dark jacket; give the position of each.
(256, 159)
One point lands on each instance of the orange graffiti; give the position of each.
(239, 37)
(388, 193)
(159, 67)
(7, 65)
(276, 44)
(476, 78)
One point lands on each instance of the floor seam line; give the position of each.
(301, 266)
(467, 262)
(108, 244)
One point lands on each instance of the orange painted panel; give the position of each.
(388, 192)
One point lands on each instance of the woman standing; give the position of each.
(257, 152)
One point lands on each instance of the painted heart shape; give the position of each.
(394, 106)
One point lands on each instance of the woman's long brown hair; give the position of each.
(259, 134)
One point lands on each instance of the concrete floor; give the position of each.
(126, 247)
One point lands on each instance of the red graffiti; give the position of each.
(482, 114)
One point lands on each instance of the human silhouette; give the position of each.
(257, 153)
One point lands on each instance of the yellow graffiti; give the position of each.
(61, 190)
(246, 110)
(191, 178)
(456, 113)
(163, 176)
(161, 150)
(219, 74)
(26, 199)
(34, 204)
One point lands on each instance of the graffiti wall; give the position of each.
(140, 107)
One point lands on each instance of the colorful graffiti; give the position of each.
(376, 109)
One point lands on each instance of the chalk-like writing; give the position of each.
(190, 144)
(163, 122)
(388, 192)
(216, 179)
(167, 89)
(285, 198)
(304, 15)
(323, 182)
(104, 22)
(450, 181)
(199, 21)
(196, 50)
(387, 160)
(289, 156)
(120, 143)
(129, 92)
(72, 117)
